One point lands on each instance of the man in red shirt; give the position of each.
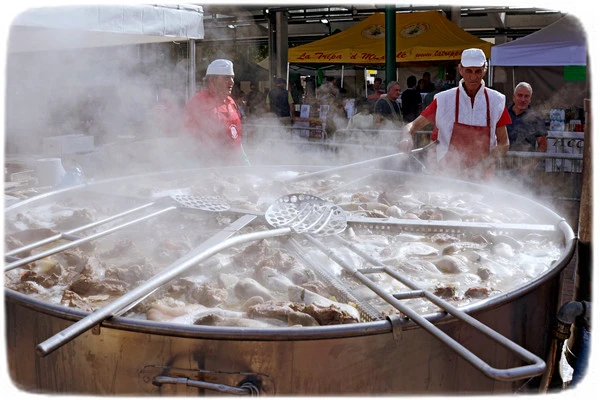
(470, 123)
(212, 117)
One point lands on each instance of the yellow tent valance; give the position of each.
(420, 36)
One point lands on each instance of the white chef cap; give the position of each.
(220, 67)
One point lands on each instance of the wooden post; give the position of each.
(584, 267)
(583, 277)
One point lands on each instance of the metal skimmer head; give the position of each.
(305, 213)
(206, 203)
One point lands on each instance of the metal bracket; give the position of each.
(96, 330)
(397, 323)
(248, 383)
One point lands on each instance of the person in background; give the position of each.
(387, 108)
(427, 84)
(255, 101)
(336, 118)
(328, 93)
(450, 79)
(375, 91)
(527, 132)
(470, 123)
(341, 92)
(297, 92)
(438, 86)
(421, 86)
(212, 118)
(239, 96)
(280, 102)
(363, 119)
(411, 100)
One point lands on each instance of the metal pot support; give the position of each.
(536, 365)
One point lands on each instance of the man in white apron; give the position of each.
(469, 123)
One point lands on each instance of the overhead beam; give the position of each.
(497, 19)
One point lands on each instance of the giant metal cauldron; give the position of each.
(126, 356)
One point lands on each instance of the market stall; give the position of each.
(553, 60)
(425, 42)
(421, 36)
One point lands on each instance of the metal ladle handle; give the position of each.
(204, 203)
(361, 163)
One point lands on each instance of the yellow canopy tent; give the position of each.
(420, 36)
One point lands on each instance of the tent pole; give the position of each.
(287, 74)
(366, 82)
(342, 81)
(513, 77)
(191, 89)
(390, 44)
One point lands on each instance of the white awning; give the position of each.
(85, 26)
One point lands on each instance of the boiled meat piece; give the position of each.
(445, 291)
(299, 294)
(86, 286)
(28, 236)
(252, 301)
(45, 280)
(477, 292)
(302, 319)
(132, 274)
(449, 265)
(331, 314)
(79, 217)
(206, 293)
(459, 247)
(300, 275)
(120, 248)
(72, 299)
(287, 312)
(248, 287)
(219, 320)
(271, 309)
(272, 279)
(168, 308)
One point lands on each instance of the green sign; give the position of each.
(575, 73)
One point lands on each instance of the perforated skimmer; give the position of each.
(307, 214)
(206, 203)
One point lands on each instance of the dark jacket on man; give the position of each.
(279, 100)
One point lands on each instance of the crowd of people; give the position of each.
(470, 123)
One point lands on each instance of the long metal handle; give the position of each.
(58, 249)
(210, 247)
(430, 225)
(536, 366)
(359, 163)
(69, 234)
